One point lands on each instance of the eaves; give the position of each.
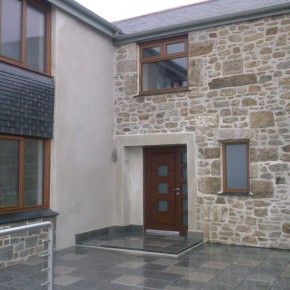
(87, 16)
(201, 24)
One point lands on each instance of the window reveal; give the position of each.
(163, 65)
(236, 167)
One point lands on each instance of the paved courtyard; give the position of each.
(208, 266)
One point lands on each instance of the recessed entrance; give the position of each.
(166, 188)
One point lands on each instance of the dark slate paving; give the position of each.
(172, 245)
(86, 268)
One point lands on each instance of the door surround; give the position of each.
(128, 181)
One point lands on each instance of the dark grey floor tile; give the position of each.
(255, 285)
(187, 284)
(215, 286)
(281, 286)
(155, 267)
(155, 283)
(166, 276)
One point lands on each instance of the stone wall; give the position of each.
(239, 83)
(23, 246)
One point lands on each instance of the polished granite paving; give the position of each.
(207, 266)
(171, 245)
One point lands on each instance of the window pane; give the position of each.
(167, 74)
(236, 166)
(163, 187)
(184, 172)
(184, 220)
(184, 157)
(35, 39)
(162, 170)
(33, 172)
(162, 205)
(151, 51)
(184, 189)
(175, 47)
(9, 176)
(10, 17)
(184, 204)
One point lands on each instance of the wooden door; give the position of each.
(166, 188)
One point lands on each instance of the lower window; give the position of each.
(24, 173)
(236, 167)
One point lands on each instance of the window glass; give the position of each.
(151, 51)
(162, 170)
(163, 205)
(162, 187)
(9, 176)
(175, 47)
(35, 39)
(33, 172)
(166, 74)
(236, 166)
(10, 23)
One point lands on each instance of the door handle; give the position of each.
(176, 190)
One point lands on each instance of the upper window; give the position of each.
(236, 167)
(24, 34)
(24, 173)
(163, 65)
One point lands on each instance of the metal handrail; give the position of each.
(49, 225)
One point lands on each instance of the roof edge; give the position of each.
(87, 16)
(202, 24)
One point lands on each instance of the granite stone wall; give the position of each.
(239, 88)
(23, 246)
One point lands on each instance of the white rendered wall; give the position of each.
(81, 169)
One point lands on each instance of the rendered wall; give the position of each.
(239, 82)
(81, 171)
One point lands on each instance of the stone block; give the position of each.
(209, 185)
(279, 167)
(197, 109)
(264, 154)
(209, 153)
(283, 65)
(196, 72)
(262, 189)
(200, 48)
(233, 81)
(207, 121)
(250, 240)
(285, 157)
(261, 203)
(216, 167)
(6, 253)
(262, 119)
(131, 84)
(247, 102)
(286, 148)
(272, 31)
(260, 212)
(285, 96)
(233, 67)
(126, 66)
(220, 200)
(286, 228)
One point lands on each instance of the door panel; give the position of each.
(165, 206)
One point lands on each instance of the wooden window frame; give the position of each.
(163, 56)
(46, 9)
(224, 156)
(46, 176)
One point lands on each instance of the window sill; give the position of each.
(27, 215)
(152, 94)
(235, 193)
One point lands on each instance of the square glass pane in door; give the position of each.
(184, 157)
(184, 172)
(163, 205)
(162, 170)
(184, 189)
(162, 187)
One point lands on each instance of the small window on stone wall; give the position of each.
(236, 166)
(163, 65)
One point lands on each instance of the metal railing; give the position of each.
(48, 254)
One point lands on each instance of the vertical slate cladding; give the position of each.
(26, 102)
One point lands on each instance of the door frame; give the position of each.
(126, 211)
(176, 149)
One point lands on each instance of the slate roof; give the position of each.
(195, 12)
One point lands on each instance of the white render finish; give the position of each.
(81, 167)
